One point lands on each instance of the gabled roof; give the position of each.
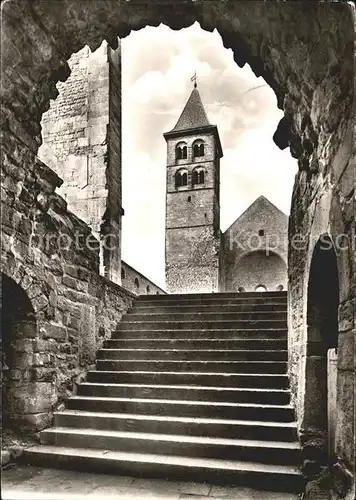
(193, 114)
(259, 205)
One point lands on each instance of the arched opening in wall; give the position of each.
(224, 88)
(181, 178)
(181, 151)
(78, 144)
(18, 333)
(148, 289)
(322, 342)
(198, 176)
(306, 84)
(259, 271)
(198, 148)
(137, 285)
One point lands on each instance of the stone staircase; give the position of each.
(189, 387)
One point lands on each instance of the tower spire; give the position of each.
(193, 114)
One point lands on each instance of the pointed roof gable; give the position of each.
(263, 202)
(194, 120)
(260, 204)
(193, 114)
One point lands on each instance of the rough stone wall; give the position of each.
(81, 135)
(194, 266)
(130, 277)
(54, 258)
(305, 52)
(244, 236)
(111, 223)
(189, 208)
(65, 124)
(343, 222)
(192, 219)
(324, 201)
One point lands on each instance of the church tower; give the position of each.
(192, 239)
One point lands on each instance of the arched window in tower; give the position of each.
(181, 151)
(195, 178)
(198, 148)
(198, 176)
(181, 178)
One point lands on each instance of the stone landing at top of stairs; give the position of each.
(189, 387)
(34, 483)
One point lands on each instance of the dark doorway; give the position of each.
(322, 339)
(18, 325)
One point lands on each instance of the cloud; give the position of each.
(245, 176)
(157, 66)
(143, 51)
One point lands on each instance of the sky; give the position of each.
(157, 64)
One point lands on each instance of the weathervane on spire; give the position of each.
(194, 79)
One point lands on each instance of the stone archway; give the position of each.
(19, 332)
(304, 51)
(322, 335)
(260, 269)
(258, 35)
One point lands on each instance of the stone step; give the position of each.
(209, 409)
(196, 366)
(200, 378)
(213, 296)
(188, 343)
(193, 354)
(151, 300)
(267, 452)
(243, 429)
(184, 392)
(272, 333)
(214, 302)
(197, 315)
(127, 324)
(186, 307)
(269, 477)
(246, 380)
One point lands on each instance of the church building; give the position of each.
(250, 255)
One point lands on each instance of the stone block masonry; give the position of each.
(50, 260)
(81, 134)
(191, 260)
